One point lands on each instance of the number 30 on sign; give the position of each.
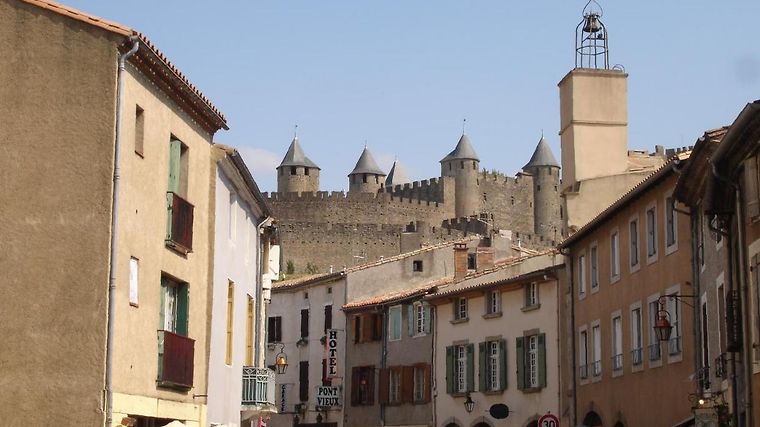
(548, 420)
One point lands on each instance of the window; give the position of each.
(670, 222)
(471, 262)
(362, 385)
(493, 302)
(583, 354)
(139, 130)
(174, 310)
(274, 329)
(531, 295)
(615, 255)
(305, 323)
(722, 316)
(636, 341)
(617, 343)
(249, 325)
(417, 265)
(368, 327)
(421, 387)
(179, 231)
(418, 319)
(493, 365)
(306, 171)
(705, 340)
(230, 308)
(633, 229)
(293, 170)
(674, 344)
(594, 268)
(394, 323)
(303, 380)
(651, 232)
(596, 335)
(460, 368)
(394, 385)
(460, 309)
(134, 280)
(531, 361)
(364, 178)
(654, 343)
(328, 317)
(582, 274)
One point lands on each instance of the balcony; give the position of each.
(703, 378)
(617, 362)
(258, 389)
(637, 356)
(175, 360)
(720, 366)
(179, 228)
(654, 351)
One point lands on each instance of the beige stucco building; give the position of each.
(71, 107)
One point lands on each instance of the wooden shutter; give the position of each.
(304, 323)
(428, 317)
(175, 149)
(503, 364)
(751, 188)
(470, 367)
(303, 380)
(183, 309)
(520, 355)
(483, 373)
(328, 317)
(542, 360)
(357, 329)
(355, 372)
(450, 369)
(383, 386)
(428, 383)
(411, 319)
(370, 385)
(377, 331)
(407, 384)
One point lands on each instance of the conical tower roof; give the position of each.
(296, 157)
(367, 164)
(542, 156)
(463, 151)
(396, 176)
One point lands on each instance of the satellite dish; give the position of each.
(499, 411)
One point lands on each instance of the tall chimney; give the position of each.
(460, 260)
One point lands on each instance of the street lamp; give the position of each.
(281, 360)
(662, 327)
(469, 405)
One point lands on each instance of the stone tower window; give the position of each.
(292, 170)
(474, 165)
(306, 171)
(417, 265)
(538, 187)
(449, 166)
(461, 164)
(376, 179)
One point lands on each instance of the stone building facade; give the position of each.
(383, 215)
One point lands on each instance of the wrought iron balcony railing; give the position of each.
(637, 356)
(720, 366)
(703, 378)
(179, 228)
(175, 360)
(617, 362)
(674, 345)
(654, 351)
(584, 371)
(258, 386)
(596, 368)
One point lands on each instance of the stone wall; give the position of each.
(509, 200)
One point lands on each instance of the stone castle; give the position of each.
(385, 214)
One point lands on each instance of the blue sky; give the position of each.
(403, 74)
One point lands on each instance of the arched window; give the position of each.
(592, 419)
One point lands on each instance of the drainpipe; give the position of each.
(260, 291)
(114, 229)
(569, 260)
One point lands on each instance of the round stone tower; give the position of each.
(546, 203)
(463, 165)
(297, 173)
(366, 177)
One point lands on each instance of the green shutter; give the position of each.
(520, 354)
(175, 149)
(470, 367)
(410, 319)
(542, 360)
(162, 310)
(502, 364)
(482, 367)
(428, 317)
(183, 302)
(450, 369)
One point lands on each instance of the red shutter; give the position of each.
(407, 384)
(383, 387)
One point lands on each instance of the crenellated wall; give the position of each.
(509, 200)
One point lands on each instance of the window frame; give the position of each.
(651, 232)
(594, 267)
(614, 255)
(634, 244)
(395, 317)
(582, 275)
(670, 223)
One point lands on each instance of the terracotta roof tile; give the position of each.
(399, 295)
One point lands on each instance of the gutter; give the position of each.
(114, 230)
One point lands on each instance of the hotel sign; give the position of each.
(331, 350)
(328, 396)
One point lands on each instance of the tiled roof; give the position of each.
(145, 58)
(547, 271)
(397, 296)
(463, 151)
(307, 280)
(366, 164)
(639, 188)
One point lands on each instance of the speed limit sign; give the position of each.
(548, 420)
